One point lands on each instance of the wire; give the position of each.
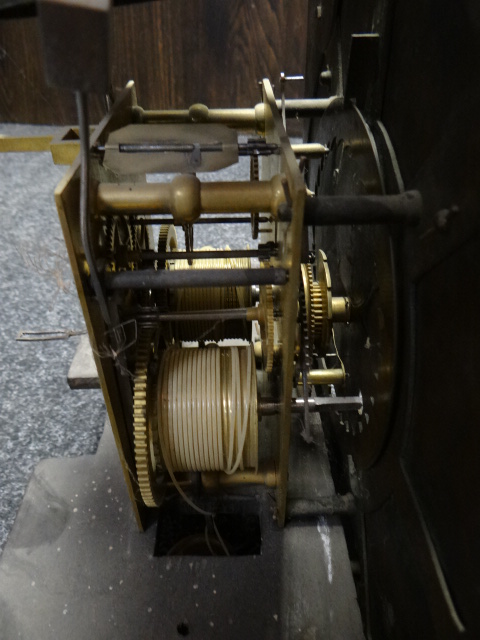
(82, 110)
(219, 537)
(207, 540)
(337, 352)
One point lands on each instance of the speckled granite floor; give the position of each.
(40, 417)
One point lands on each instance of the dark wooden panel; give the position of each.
(421, 497)
(392, 552)
(444, 442)
(24, 96)
(177, 51)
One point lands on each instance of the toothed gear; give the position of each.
(140, 237)
(254, 177)
(306, 333)
(267, 326)
(167, 241)
(146, 448)
(108, 239)
(306, 350)
(134, 235)
(118, 240)
(316, 302)
(321, 325)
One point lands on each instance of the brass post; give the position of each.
(325, 376)
(341, 307)
(265, 475)
(186, 197)
(250, 119)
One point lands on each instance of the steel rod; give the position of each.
(262, 254)
(331, 403)
(404, 208)
(255, 148)
(166, 218)
(160, 147)
(232, 220)
(269, 406)
(151, 279)
(187, 316)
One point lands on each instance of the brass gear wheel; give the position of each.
(139, 235)
(167, 241)
(316, 301)
(146, 445)
(108, 241)
(254, 215)
(267, 326)
(119, 239)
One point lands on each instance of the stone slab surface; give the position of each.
(75, 566)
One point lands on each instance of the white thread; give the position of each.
(246, 385)
(205, 298)
(207, 418)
